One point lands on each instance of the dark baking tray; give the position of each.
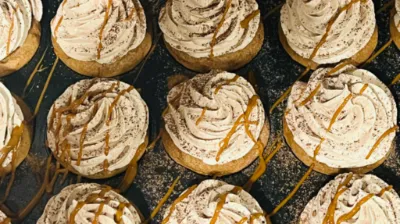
(275, 71)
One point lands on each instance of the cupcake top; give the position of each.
(16, 18)
(89, 203)
(214, 201)
(377, 202)
(208, 115)
(304, 24)
(97, 125)
(346, 116)
(397, 15)
(100, 31)
(4, 219)
(204, 28)
(11, 118)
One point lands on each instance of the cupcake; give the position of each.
(101, 38)
(15, 132)
(204, 35)
(353, 198)
(214, 201)
(97, 127)
(19, 33)
(343, 119)
(319, 32)
(215, 124)
(89, 203)
(395, 24)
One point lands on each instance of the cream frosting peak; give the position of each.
(189, 26)
(382, 209)
(60, 208)
(304, 23)
(127, 129)
(3, 217)
(186, 103)
(16, 18)
(11, 116)
(200, 205)
(368, 112)
(79, 25)
(397, 15)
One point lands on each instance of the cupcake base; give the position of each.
(322, 167)
(395, 34)
(20, 57)
(101, 175)
(227, 62)
(363, 55)
(95, 69)
(200, 167)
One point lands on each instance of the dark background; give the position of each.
(275, 71)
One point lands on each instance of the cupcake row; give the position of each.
(109, 38)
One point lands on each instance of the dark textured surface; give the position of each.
(275, 71)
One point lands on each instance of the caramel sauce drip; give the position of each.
(203, 113)
(339, 110)
(100, 210)
(255, 216)
(318, 148)
(221, 203)
(131, 14)
(214, 38)
(245, 23)
(81, 141)
(106, 17)
(16, 135)
(114, 103)
(58, 26)
(380, 139)
(330, 215)
(177, 201)
(10, 31)
(105, 166)
(357, 207)
(120, 212)
(260, 170)
(107, 144)
(312, 94)
(35, 71)
(227, 82)
(395, 80)
(154, 142)
(340, 66)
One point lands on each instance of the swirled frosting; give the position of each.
(368, 114)
(11, 116)
(200, 205)
(383, 209)
(16, 18)
(185, 106)
(110, 108)
(397, 15)
(60, 208)
(3, 217)
(189, 26)
(80, 26)
(305, 22)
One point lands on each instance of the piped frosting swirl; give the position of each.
(97, 125)
(189, 26)
(397, 15)
(11, 117)
(349, 110)
(304, 23)
(100, 31)
(383, 207)
(203, 111)
(84, 203)
(201, 204)
(16, 17)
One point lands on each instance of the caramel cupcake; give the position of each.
(343, 119)
(101, 39)
(205, 35)
(354, 198)
(329, 31)
(215, 124)
(15, 132)
(19, 33)
(89, 203)
(97, 127)
(214, 201)
(395, 24)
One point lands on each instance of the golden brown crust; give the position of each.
(227, 62)
(322, 167)
(358, 58)
(25, 143)
(200, 167)
(100, 175)
(393, 29)
(20, 57)
(95, 69)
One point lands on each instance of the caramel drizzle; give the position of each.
(380, 139)
(395, 80)
(340, 66)
(81, 142)
(114, 103)
(221, 203)
(35, 71)
(10, 31)
(106, 18)
(312, 94)
(177, 201)
(120, 212)
(245, 23)
(100, 210)
(227, 82)
(59, 22)
(203, 113)
(378, 52)
(339, 110)
(214, 38)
